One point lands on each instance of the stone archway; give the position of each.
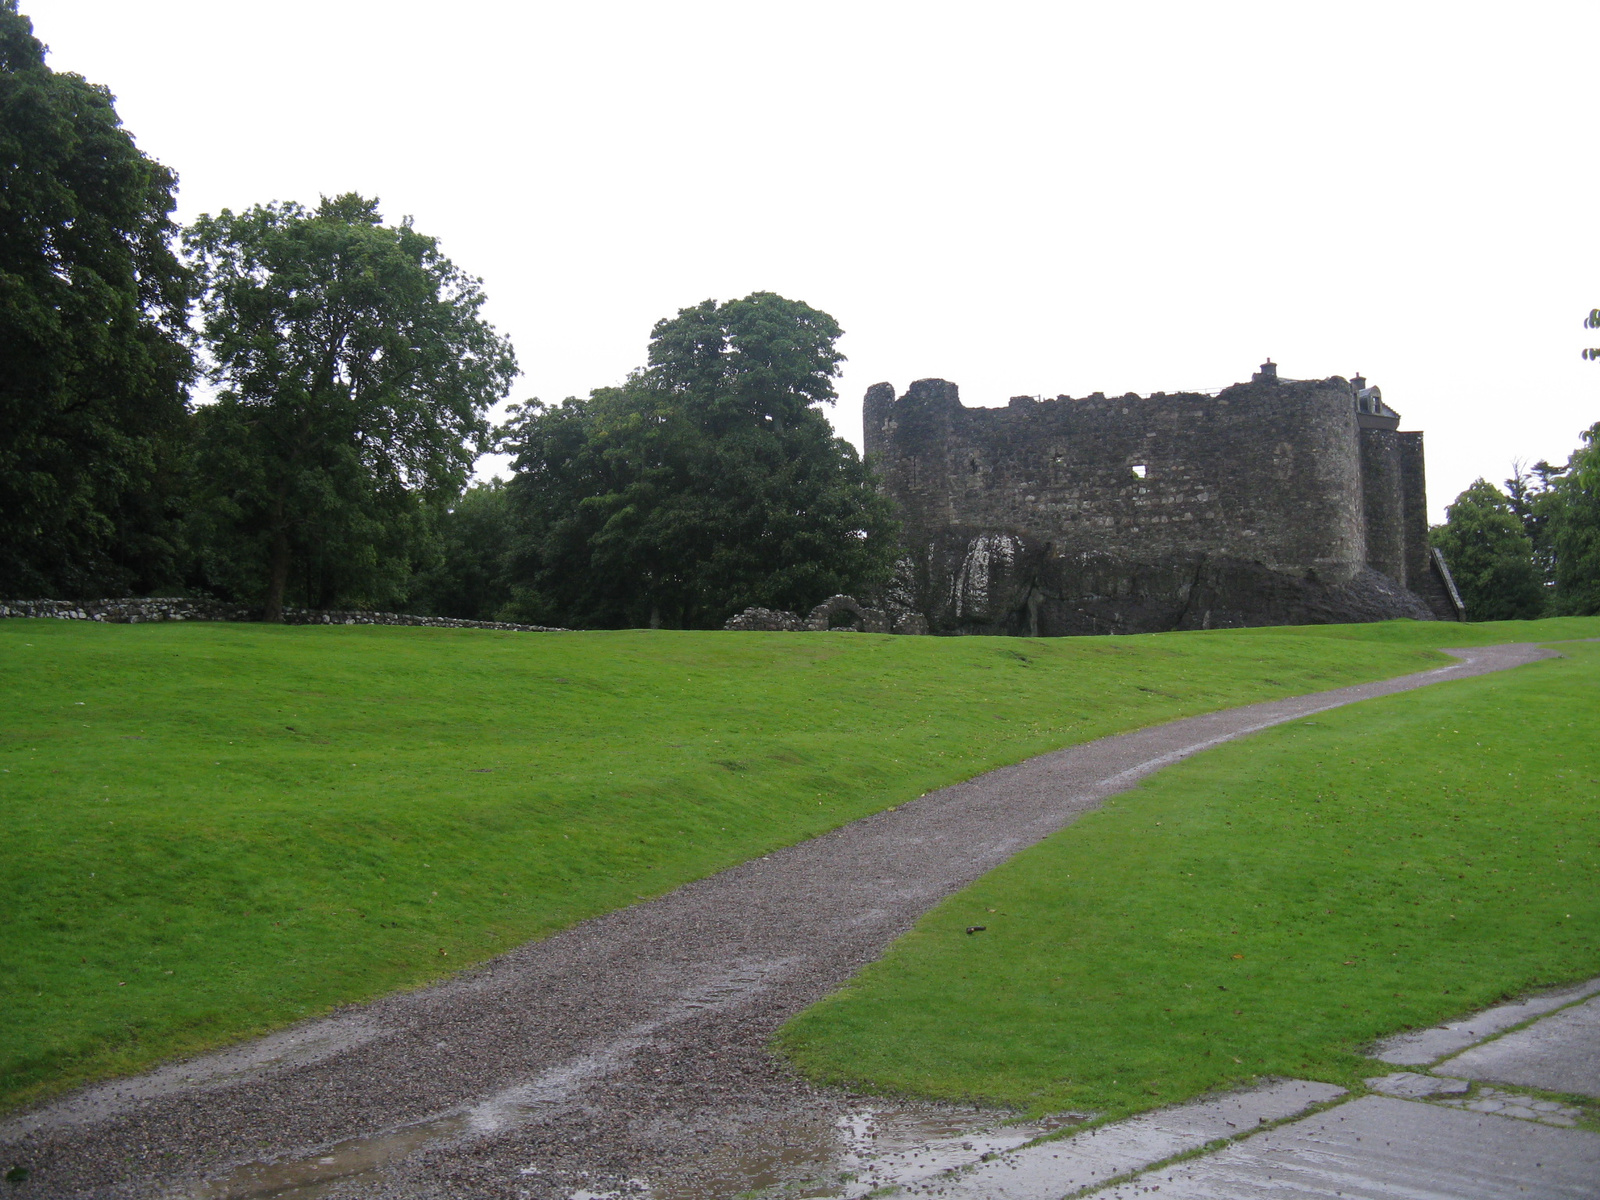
(846, 612)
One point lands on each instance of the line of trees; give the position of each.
(351, 375)
(1531, 549)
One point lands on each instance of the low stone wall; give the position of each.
(174, 608)
(861, 619)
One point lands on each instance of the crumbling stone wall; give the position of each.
(835, 613)
(765, 620)
(1137, 513)
(166, 608)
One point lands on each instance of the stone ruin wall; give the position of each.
(836, 613)
(1273, 502)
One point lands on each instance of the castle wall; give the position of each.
(1267, 472)
(1383, 502)
(1420, 577)
(1261, 505)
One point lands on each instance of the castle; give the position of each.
(1272, 502)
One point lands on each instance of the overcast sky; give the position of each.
(1022, 198)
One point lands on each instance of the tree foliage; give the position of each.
(354, 374)
(1531, 493)
(1575, 529)
(709, 481)
(94, 363)
(1490, 556)
(467, 576)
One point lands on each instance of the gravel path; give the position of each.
(630, 1046)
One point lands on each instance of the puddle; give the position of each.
(307, 1178)
(799, 1158)
(865, 1149)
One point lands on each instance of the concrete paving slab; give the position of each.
(1379, 1147)
(1560, 1053)
(1054, 1169)
(1423, 1046)
(1408, 1085)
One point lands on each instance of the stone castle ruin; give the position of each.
(1272, 502)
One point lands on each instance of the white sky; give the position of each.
(1022, 198)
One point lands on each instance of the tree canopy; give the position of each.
(1491, 556)
(709, 481)
(1575, 529)
(94, 364)
(354, 372)
(467, 576)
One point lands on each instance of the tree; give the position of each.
(354, 374)
(468, 577)
(94, 363)
(1531, 493)
(1575, 532)
(709, 481)
(1490, 556)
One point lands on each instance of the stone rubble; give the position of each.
(859, 619)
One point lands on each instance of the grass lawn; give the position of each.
(212, 830)
(1266, 908)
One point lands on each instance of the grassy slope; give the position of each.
(211, 830)
(1266, 908)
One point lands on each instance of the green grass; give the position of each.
(1267, 908)
(213, 830)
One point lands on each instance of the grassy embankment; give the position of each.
(1267, 908)
(212, 830)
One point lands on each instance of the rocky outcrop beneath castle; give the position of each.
(1006, 583)
(1273, 502)
(839, 613)
(167, 608)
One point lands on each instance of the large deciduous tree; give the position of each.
(354, 373)
(1575, 528)
(1491, 556)
(709, 481)
(94, 363)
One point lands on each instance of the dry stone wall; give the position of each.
(165, 608)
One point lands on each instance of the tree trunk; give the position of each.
(277, 578)
(655, 617)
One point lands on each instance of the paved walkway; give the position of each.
(1440, 1133)
(631, 1045)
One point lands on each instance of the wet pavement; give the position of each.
(1378, 1146)
(1560, 1053)
(628, 1056)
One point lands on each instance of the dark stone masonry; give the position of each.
(1273, 502)
(162, 608)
